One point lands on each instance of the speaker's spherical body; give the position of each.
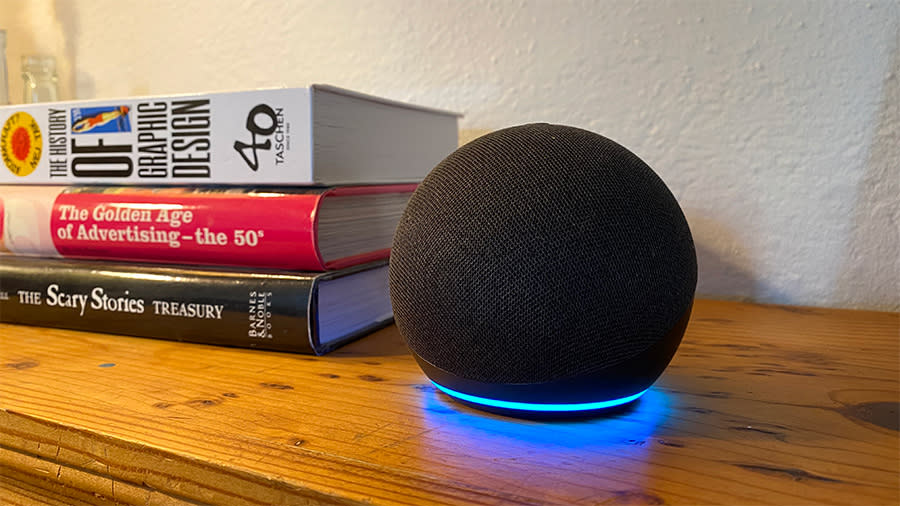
(543, 267)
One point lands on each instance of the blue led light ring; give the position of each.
(529, 406)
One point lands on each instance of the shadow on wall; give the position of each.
(723, 263)
(870, 273)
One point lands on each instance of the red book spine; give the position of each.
(266, 229)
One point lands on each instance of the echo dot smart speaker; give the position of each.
(543, 269)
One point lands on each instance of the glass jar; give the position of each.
(39, 73)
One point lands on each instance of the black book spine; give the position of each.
(233, 308)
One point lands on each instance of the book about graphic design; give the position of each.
(270, 310)
(315, 135)
(295, 228)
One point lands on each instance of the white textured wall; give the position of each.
(776, 124)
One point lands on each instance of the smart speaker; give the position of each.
(543, 268)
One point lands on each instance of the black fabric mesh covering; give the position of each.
(539, 252)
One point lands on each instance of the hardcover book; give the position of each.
(296, 228)
(316, 135)
(270, 310)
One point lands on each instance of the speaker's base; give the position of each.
(532, 408)
(607, 388)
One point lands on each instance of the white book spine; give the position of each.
(244, 137)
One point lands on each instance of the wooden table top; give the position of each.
(762, 404)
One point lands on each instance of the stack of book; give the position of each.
(258, 219)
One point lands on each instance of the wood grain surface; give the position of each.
(761, 405)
